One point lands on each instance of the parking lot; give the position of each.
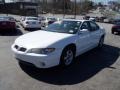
(94, 70)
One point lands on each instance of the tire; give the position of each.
(67, 57)
(112, 32)
(26, 29)
(101, 41)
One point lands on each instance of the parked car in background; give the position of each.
(86, 17)
(92, 19)
(51, 20)
(101, 19)
(109, 20)
(59, 43)
(30, 23)
(97, 19)
(117, 20)
(116, 28)
(106, 20)
(7, 23)
(48, 20)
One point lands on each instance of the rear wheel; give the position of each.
(67, 57)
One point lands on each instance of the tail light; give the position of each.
(12, 23)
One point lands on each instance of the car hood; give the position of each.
(40, 39)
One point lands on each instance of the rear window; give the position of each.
(117, 23)
(7, 18)
(32, 18)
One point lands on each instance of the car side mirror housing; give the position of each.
(83, 31)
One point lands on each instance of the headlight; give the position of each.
(42, 50)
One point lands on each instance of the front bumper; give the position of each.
(115, 29)
(40, 61)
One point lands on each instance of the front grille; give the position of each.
(22, 49)
(16, 46)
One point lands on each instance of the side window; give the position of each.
(94, 26)
(85, 26)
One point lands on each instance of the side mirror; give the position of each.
(83, 31)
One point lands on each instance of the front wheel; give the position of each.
(67, 57)
(101, 41)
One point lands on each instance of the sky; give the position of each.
(104, 1)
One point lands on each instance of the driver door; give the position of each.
(83, 41)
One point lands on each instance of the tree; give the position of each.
(87, 5)
(2, 1)
(100, 4)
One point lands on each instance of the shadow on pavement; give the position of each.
(16, 32)
(85, 67)
(118, 34)
(32, 29)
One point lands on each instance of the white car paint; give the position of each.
(29, 22)
(83, 41)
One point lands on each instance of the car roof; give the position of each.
(51, 17)
(81, 20)
(6, 17)
(30, 17)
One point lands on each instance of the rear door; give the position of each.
(94, 33)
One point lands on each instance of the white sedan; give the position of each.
(59, 43)
(30, 23)
(47, 21)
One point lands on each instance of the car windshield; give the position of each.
(32, 18)
(117, 23)
(70, 27)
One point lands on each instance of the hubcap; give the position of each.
(68, 57)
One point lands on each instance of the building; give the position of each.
(20, 7)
